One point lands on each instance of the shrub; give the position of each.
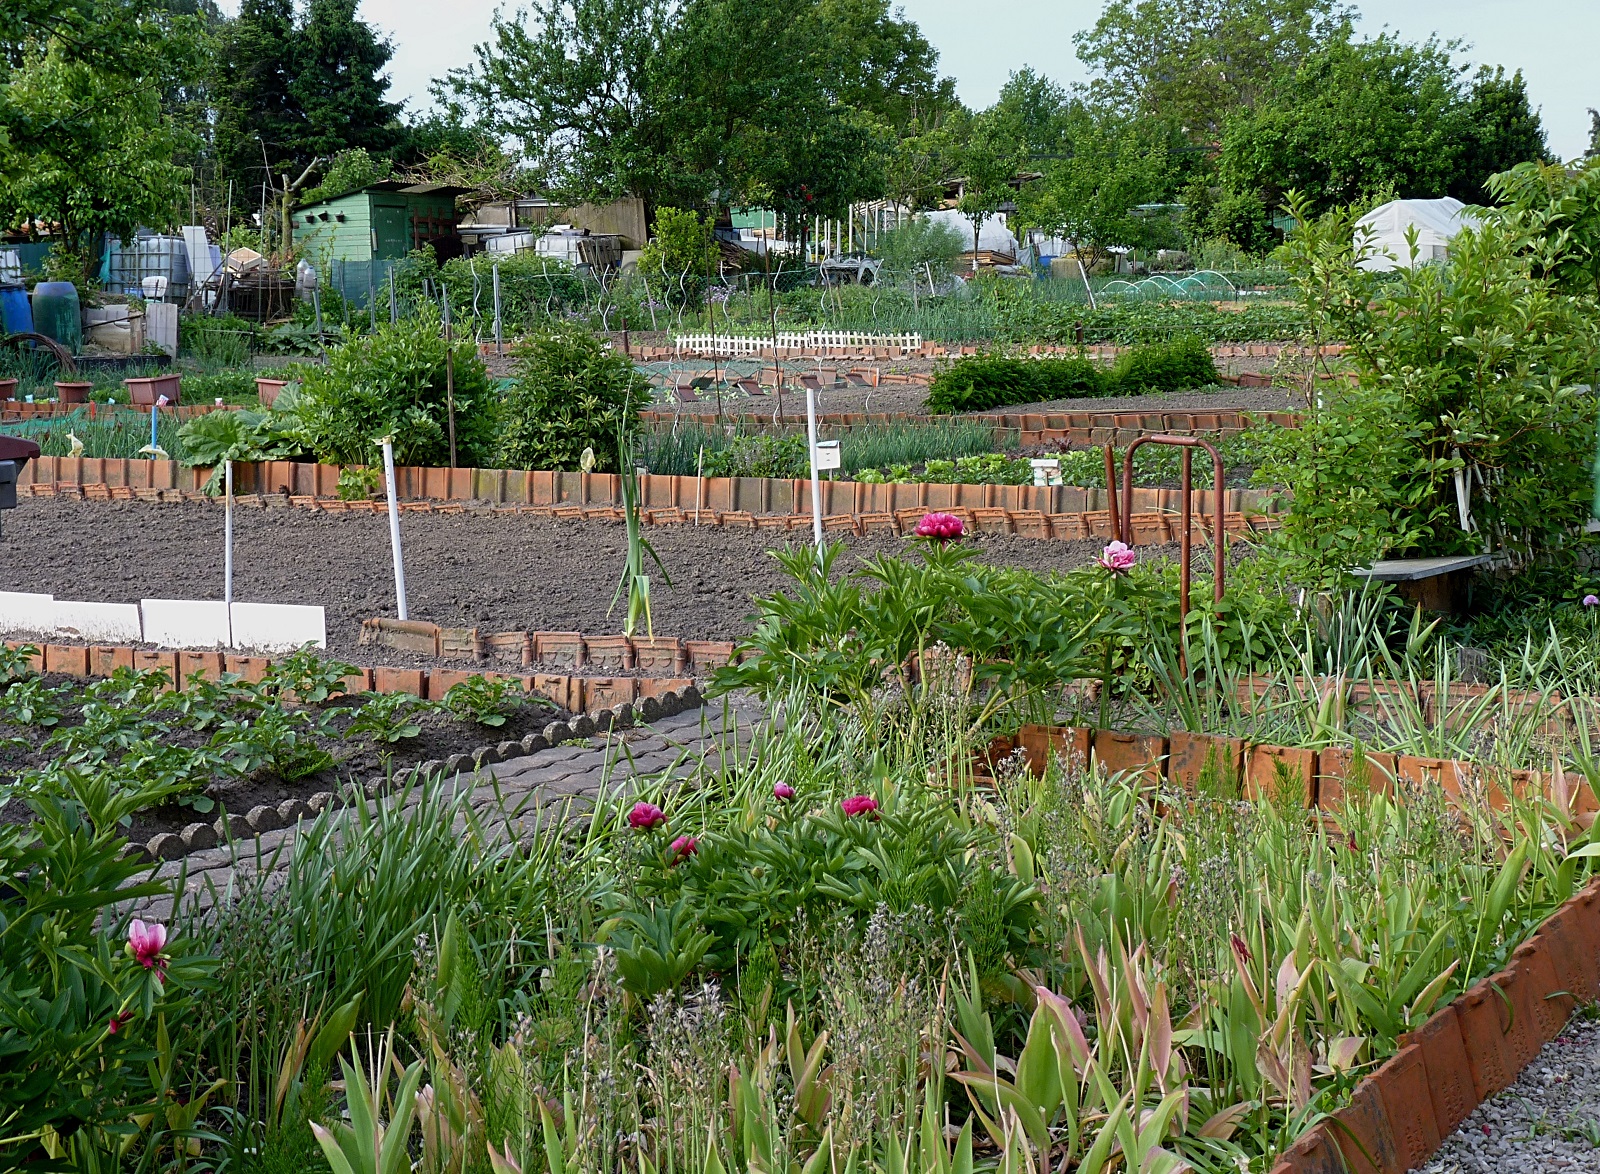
(978, 383)
(570, 392)
(1178, 365)
(679, 256)
(760, 456)
(392, 383)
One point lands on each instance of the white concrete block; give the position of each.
(278, 627)
(26, 611)
(185, 623)
(116, 623)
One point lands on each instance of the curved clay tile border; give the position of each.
(1156, 519)
(642, 654)
(1466, 1052)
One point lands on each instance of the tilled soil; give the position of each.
(1548, 1120)
(1253, 399)
(502, 572)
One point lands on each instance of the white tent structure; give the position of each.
(1436, 223)
(992, 235)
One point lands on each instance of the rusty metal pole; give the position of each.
(1111, 492)
(1187, 444)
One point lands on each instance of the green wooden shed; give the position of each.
(381, 222)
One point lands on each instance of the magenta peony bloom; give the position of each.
(1118, 558)
(684, 847)
(1591, 601)
(114, 1024)
(941, 527)
(783, 791)
(860, 805)
(645, 816)
(145, 943)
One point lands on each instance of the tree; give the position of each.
(1354, 118)
(258, 119)
(338, 85)
(1499, 130)
(706, 104)
(93, 155)
(1195, 62)
(1035, 112)
(988, 159)
(1092, 195)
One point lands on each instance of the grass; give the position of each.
(110, 434)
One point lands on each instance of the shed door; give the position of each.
(390, 228)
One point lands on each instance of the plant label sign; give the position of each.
(1046, 470)
(826, 455)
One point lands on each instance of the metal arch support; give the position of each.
(1188, 444)
(62, 354)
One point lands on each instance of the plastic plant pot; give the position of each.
(267, 390)
(8, 389)
(147, 391)
(73, 392)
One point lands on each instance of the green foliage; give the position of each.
(387, 718)
(761, 455)
(1466, 373)
(348, 171)
(80, 1019)
(393, 383)
(569, 393)
(977, 383)
(680, 256)
(919, 245)
(1179, 365)
(214, 437)
(488, 703)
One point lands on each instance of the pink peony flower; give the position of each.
(860, 805)
(145, 943)
(1591, 601)
(942, 527)
(684, 847)
(1118, 558)
(645, 816)
(783, 791)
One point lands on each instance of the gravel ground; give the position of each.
(503, 572)
(1548, 1120)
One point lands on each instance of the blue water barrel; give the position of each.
(56, 314)
(16, 314)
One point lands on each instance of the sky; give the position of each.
(1551, 41)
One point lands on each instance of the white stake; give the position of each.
(816, 486)
(227, 544)
(394, 529)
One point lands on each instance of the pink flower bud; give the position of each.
(783, 791)
(860, 805)
(940, 527)
(683, 848)
(145, 943)
(645, 816)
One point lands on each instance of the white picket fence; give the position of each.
(739, 345)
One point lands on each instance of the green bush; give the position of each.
(570, 392)
(760, 456)
(392, 383)
(231, 387)
(1179, 365)
(977, 383)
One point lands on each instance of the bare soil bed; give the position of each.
(1253, 399)
(502, 572)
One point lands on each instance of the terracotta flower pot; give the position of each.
(8, 389)
(145, 392)
(73, 392)
(267, 390)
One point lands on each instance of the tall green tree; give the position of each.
(1499, 130)
(1091, 194)
(989, 159)
(1196, 62)
(339, 83)
(92, 155)
(258, 120)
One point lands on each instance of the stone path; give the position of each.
(1548, 1120)
(521, 792)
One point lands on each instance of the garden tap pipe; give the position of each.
(816, 487)
(1188, 444)
(394, 529)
